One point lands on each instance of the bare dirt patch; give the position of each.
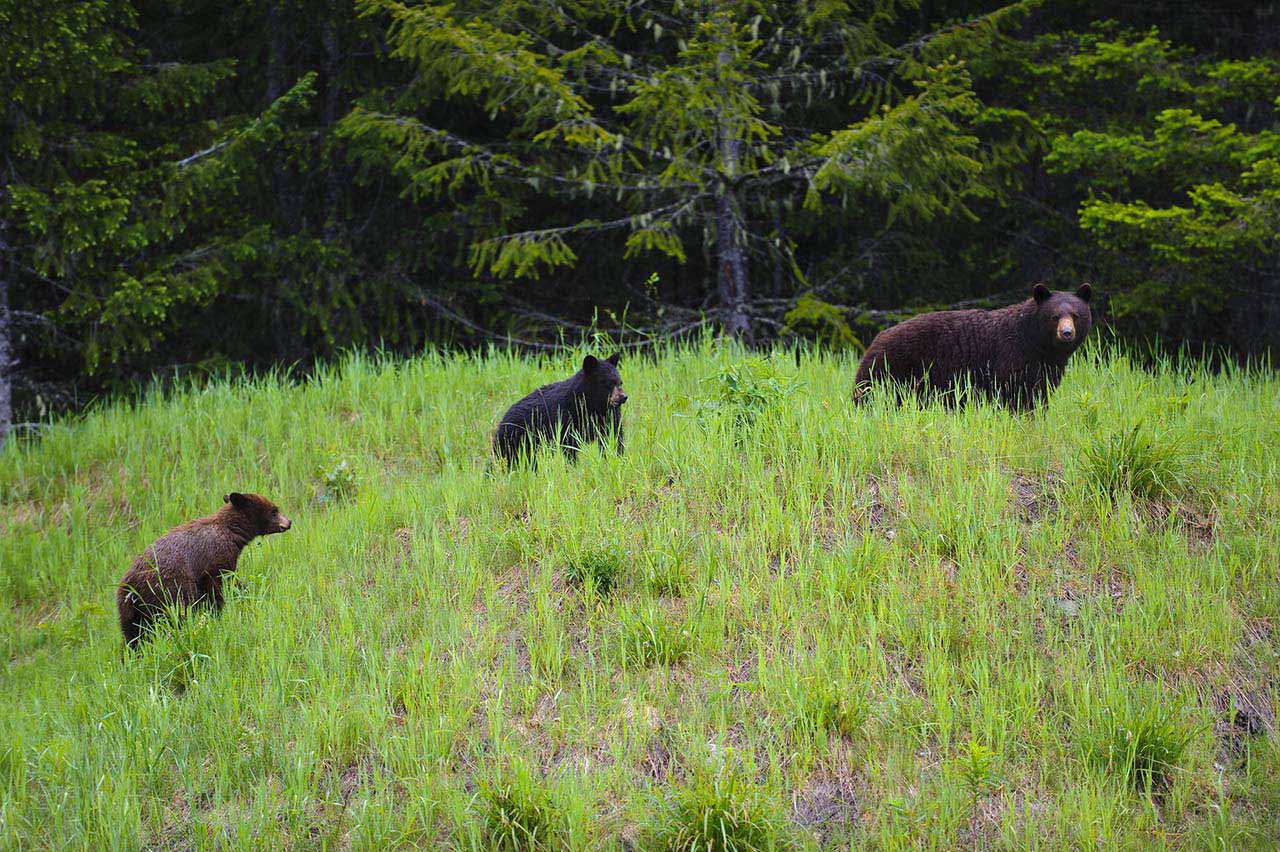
(1199, 529)
(355, 776)
(1246, 707)
(656, 763)
(826, 805)
(21, 514)
(1033, 496)
(881, 510)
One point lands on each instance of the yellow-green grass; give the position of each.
(874, 627)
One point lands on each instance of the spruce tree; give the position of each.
(685, 125)
(113, 185)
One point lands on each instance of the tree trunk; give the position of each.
(331, 112)
(729, 248)
(284, 183)
(6, 324)
(279, 22)
(779, 258)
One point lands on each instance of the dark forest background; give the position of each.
(189, 185)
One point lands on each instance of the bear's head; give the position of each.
(264, 517)
(1062, 319)
(603, 384)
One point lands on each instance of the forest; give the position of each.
(189, 187)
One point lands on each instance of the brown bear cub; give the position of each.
(1015, 355)
(587, 406)
(184, 567)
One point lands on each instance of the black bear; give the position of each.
(185, 566)
(587, 406)
(1015, 355)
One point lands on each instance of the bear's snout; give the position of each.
(1066, 329)
(284, 523)
(618, 397)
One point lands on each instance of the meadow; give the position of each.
(779, 621)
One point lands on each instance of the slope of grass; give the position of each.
(813, 626)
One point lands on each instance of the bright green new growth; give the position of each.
(823, 323)
(518, 812)
(743, 390)
(975, 765)
(915, 627)
(599, 570)
(720, 809)
(1148, 465)
(647, 636)
(1141, 739)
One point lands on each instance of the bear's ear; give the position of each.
(235, 498)
(1040, 293)
(1085, 291)
(614, 358)
(589, 363)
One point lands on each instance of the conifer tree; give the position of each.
(109, 184)
(682, 124)
(1182, 197)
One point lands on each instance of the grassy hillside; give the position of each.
(798, 623)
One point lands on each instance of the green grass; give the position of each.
(598, 570)
(909, 627)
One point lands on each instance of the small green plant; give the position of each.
(1090, 410)
(821, 706)
(337, 482)
(975, 766)
(72, 626)
(651, 285)
(1142, 742)
(1176, 404)
(821, 322)
(720, 809)
(743, 390)
(648, 638)
(517, 812)
(546, 640)
(667, 566)
(598, 570)
(1146, 465)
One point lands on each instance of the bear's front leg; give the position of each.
(210, 592)
(217, 601)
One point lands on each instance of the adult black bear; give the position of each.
(587, 406)
(1015, 355)
(185, 566)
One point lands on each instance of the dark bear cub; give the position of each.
(185, 566)
(1015, 355)
(587, 406)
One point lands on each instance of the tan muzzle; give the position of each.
(1067, 330)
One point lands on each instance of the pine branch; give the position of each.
(200, 155)
(670, 212)
(501, 162)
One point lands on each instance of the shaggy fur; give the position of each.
(587, 406)
(1015, 355)
(185, 566)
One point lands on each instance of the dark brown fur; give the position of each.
(185, 566)
(1015, 355)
